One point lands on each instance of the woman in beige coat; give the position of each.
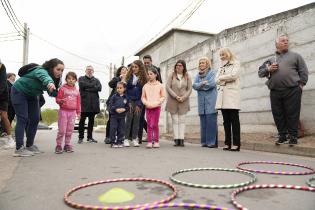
(228, 99)
(178, 87)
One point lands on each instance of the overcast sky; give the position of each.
(102, 31)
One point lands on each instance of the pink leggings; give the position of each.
(153, 116)
(65, 126)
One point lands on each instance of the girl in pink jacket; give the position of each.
(153, 95)
(68, 99)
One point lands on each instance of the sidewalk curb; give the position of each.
(282, 149)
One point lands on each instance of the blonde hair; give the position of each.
(227, 51)
(208, 62)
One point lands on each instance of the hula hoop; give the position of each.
(309, 182)
(183, 205)
(312, 171)
(265, 186)
(253, 178)
(128, 207)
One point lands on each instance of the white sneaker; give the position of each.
(126, 143)
(135, 143)
(22, 152)
(9, 143)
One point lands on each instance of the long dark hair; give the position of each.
(49, 66)
(119, 70)
(185, 74)
(142, 75)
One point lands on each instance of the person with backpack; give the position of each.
(25, 94)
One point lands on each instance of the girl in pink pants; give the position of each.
(153, 95)
(68, 99)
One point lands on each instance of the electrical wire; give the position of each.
(69, 52)
(10, 17)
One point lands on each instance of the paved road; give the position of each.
(39, 182)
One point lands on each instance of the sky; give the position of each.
(100, 32)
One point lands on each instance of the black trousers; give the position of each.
(231, 123)
(286, 107)
(85, 115)
(117, 128)
(142, 125)
(11, 113)
(107, 127)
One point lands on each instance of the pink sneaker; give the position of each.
(149, 145)
(156, 145)
(68, 148)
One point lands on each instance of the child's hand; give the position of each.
(118, 110)
(137, 110)
(78, 116)
(122, 110)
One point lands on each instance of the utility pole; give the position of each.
(110, 74)
(123, 60)
(26, 44)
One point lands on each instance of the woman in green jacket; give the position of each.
(25, 94)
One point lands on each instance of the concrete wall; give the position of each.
(253, 43)
(175, 43)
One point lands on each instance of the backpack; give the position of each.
(27, 68)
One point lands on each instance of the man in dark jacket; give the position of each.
(89, 87)
(287, 74)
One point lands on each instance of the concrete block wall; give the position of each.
(252, 43)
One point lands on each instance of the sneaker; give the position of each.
(115, 146)
(126, 143)
(9, 142)
(156, 145)
(22, 152)
(107, 141)
(120, 145)
(67, 148)
(149, 145)
(91, 140)
(34, 149)
(293, 141)
(282, 140)
(135, 143)
(58, 149)
(80, 141)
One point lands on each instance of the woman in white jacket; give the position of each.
(228, 99)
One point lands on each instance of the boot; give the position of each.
(176, 142)
(181, 142)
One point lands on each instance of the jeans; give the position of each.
(27, 114)
(208, 129)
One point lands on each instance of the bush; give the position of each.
(49, 116)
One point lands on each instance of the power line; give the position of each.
(5, 34)
(69, 52)
(15, 14)
(197, 6)
(1, 37)
(172, 21)
(7, 40)
(10, 17)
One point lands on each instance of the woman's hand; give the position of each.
(51, 87)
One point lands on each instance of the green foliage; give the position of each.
(49, 116)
